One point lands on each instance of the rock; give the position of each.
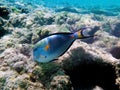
(56, 28)
(41, 18)
(38, 34)
(95, 53)
(16, 64)
(115, 52)
(105, 40)
(61, 18)
(6, 42)
(72, 18)
(87, 21)
(60, 82)
(97, 88)
(25, 73)
(111, 25)
(4, 12)
(118, 75)
(25, 49)
(84, 62)
(1, 22)
(46, 72)
(116, 30)
(14, 60)
(17, 20)
(3, 31)
(7, 79)
(21, 36)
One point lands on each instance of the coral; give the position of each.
(61, 18)
(23, 85)
(17, 20)
(116, 30)
(6, 42)
(2, 82)
(39, 34)
(3, 31)
(23, 72)
(60, 83)
(45, 72)
(86, 64)
(42, 18)
(25, 36)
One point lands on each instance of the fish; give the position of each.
(55, 45)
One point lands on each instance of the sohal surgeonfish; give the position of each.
(55, 45)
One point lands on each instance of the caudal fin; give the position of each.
(83, 33)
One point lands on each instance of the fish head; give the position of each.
(40, 51)
(39, 55)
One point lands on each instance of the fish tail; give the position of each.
(82, 33)
(78, 35)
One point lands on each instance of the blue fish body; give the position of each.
(53, 46)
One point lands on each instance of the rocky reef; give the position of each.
(90, 64)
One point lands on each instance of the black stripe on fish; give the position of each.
(61, 33)
(67, 48)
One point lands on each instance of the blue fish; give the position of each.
(55, 45)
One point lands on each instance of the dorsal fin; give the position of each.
(65, 33)
(60, 33)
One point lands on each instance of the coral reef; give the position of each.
(89, 64)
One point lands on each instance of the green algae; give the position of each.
(45, 72)
(23, 85)
(2, 83)
(15, 10)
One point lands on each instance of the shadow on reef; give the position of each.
(116, 30)
(2, 32)
(4, 12)
(115, 51)
(88, 76)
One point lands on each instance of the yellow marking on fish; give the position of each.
(47, 47)
(79, 34)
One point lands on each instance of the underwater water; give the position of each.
(72, 3)
(107, 7)
(90, 64)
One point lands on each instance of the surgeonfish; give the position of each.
(55, 45)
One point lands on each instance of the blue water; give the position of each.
(73, 3)
(106, 7)
(82, 3)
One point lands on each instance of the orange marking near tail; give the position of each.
(72, 36)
